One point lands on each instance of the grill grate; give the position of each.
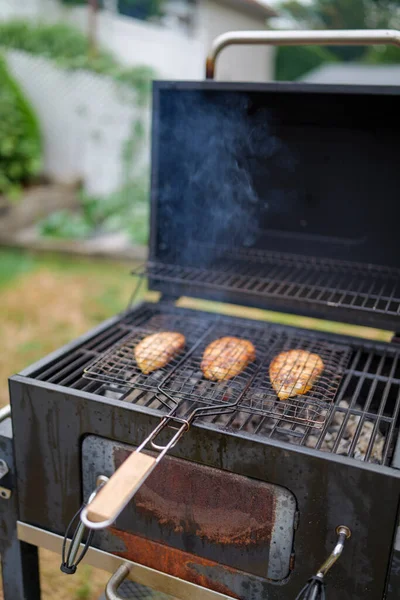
(311, 408)
(362, 424)
(338, 284)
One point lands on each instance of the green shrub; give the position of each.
(20, 142)
(383, 55)
(123, 211)
(70, 49)
(293, 62)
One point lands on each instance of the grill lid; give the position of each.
(281, 196)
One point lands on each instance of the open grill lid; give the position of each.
(281, 196)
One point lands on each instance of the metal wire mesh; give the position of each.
(221, 367)
(141, 361)
(274, 275)
(303, 385)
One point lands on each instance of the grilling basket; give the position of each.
(212, 485)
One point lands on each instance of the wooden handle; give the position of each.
(121, 487)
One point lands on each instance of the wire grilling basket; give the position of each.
(183, 376)
(118, 365)
(312, 407)
(191, 379)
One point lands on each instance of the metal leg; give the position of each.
(20, 570)
(19, 560)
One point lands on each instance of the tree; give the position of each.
(342, 14)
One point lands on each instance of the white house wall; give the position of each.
(85, 120)
(171, 53)
(240, 63)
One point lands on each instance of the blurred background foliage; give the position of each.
(293, 62)
(69, 48)
(124, 210)
(20, 141)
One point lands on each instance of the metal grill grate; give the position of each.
(312, 407)
(362, 424)
(279, 276)
(119, 366)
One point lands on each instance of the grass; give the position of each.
(49, 300)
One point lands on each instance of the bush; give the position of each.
(70, 49)
(123, 211)
(383, 55)
(20, 142)
(293, 62)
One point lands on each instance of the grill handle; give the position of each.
(315, 587)
(357, 37)
(122, 486)
(115, 581)
(111, 500)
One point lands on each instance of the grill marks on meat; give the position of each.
(226, 357)
(157, 350)
(294, 373)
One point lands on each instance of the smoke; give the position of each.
(213, 148)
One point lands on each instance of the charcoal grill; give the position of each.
(275, 196)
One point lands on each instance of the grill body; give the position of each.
(86, 433)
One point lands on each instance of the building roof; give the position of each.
(258, 8)
(352, 73)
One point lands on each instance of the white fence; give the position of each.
(85, 120)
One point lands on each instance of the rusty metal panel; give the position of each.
(218, 517)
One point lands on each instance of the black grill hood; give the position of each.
(282, 196)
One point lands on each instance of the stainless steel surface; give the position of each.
(101, 480)
(75, 545)
(359, 37)
(5, 412)
(115, 581)
(72, 557)
(179, 589)
(344, 534)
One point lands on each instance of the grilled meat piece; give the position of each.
(294, 373)
(227, 357)
(156, 350)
